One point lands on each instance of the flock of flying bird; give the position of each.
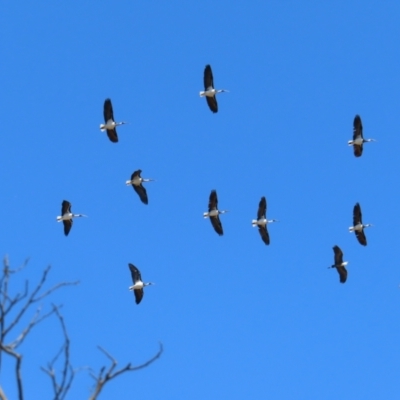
(213, 212)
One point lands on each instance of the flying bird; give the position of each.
(110, 124)
(213, 213)
(138, 284)
(209, 92)
(262, 221)
(136, 182)
(66, 216)
(358, 226)
(340, 264)
(358, 138)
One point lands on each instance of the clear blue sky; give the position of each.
(237, 319)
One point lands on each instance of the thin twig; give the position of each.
(68, 373)
(101, 381)
(34, 321)
(32, 299)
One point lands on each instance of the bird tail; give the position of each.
(102, 127)
(128, 183)
(254, 222)
(202, 94)
(59, 219)
(350, 143)
(205, 215)
(351, 229)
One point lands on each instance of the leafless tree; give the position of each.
(16, 307)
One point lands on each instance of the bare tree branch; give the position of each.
(18, 360)
(8, 303)
(102, 380)
(33, 299)
(68, 373)
(36, 319)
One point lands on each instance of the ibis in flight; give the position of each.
(213, 213)
(66, 216)
(340, 264)
(209, 92)
(136, 182)
(358, 226)
(110, 124)
(262, 221)
(358, 138)
(138, 284)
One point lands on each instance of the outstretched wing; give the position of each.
(112, 135)
(338, 255)
(136, 174)
(216, 223)
(357, 131)
(358, 149)
(361, 237)
(141, 191)
(135, 273)
(357, 215)
(264, 234)
(342, 274)
(138, 295)
(213, 201)
(108, 111)
(357, 127)
(262, 208)
(212, 103)
(67, 226)
(208, 78)
(65, 207)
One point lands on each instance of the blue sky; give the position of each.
(237, 319)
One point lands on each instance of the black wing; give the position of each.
(357, 131)
(208, 78)
(65, 207)
(216, 223)
(264, 234)
(357, 215)
(262, 208)
(108, 111)
(358, 149)
(357, 127)
(138, 295)
(212, 103)
(338, 255)
(112, 135)
(141, 191)
(67, 226)
(361, 237)
(136, 174)
(213, 201)
(342, 274)
(135, 273)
